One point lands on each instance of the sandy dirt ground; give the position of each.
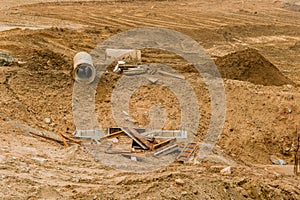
(255, 45)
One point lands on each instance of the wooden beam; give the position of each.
(141, 138)
(132, 136)
(60, 138)
(72, 140)
(46, 136)
(165, 149)
(163, 143)
(63, 139)
(112, 134)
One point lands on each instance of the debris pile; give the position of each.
(130, 142)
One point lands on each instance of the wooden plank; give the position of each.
(63, 139)
(165, 149)
(72, 140)
(116, 152)
(141, 138)
(46, 136)
(132, 136)
(156, 146)
(60, 138)
(113, 134)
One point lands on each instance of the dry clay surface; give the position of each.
(255, 45)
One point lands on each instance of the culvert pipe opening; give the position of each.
(84, 70)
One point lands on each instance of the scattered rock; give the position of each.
(179, 181)
(133, 158)
(196, 162)
(226, 171)
(277, 161)
(40, 160)
(152, 80)
(47, 120)
(184, 193)
(21, 62)
(130, 120)
(125, 113)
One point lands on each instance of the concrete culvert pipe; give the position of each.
(84, 70)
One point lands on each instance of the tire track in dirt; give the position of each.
(162, 23)
(103, 16)
(110, 21)
(202, 21)
(107, 21)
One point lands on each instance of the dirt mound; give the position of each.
(45, 59)
(249, 65)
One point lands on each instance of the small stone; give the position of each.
(40, 160)
(179, 181)
(53, 124)
(21, 62)
(131, 120)
(152, 80)
(133, 158)
(125, 113)
(47, 120)
(184, 193)
(277, 161)
(226, 171)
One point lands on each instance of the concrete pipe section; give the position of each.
(84, 70)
